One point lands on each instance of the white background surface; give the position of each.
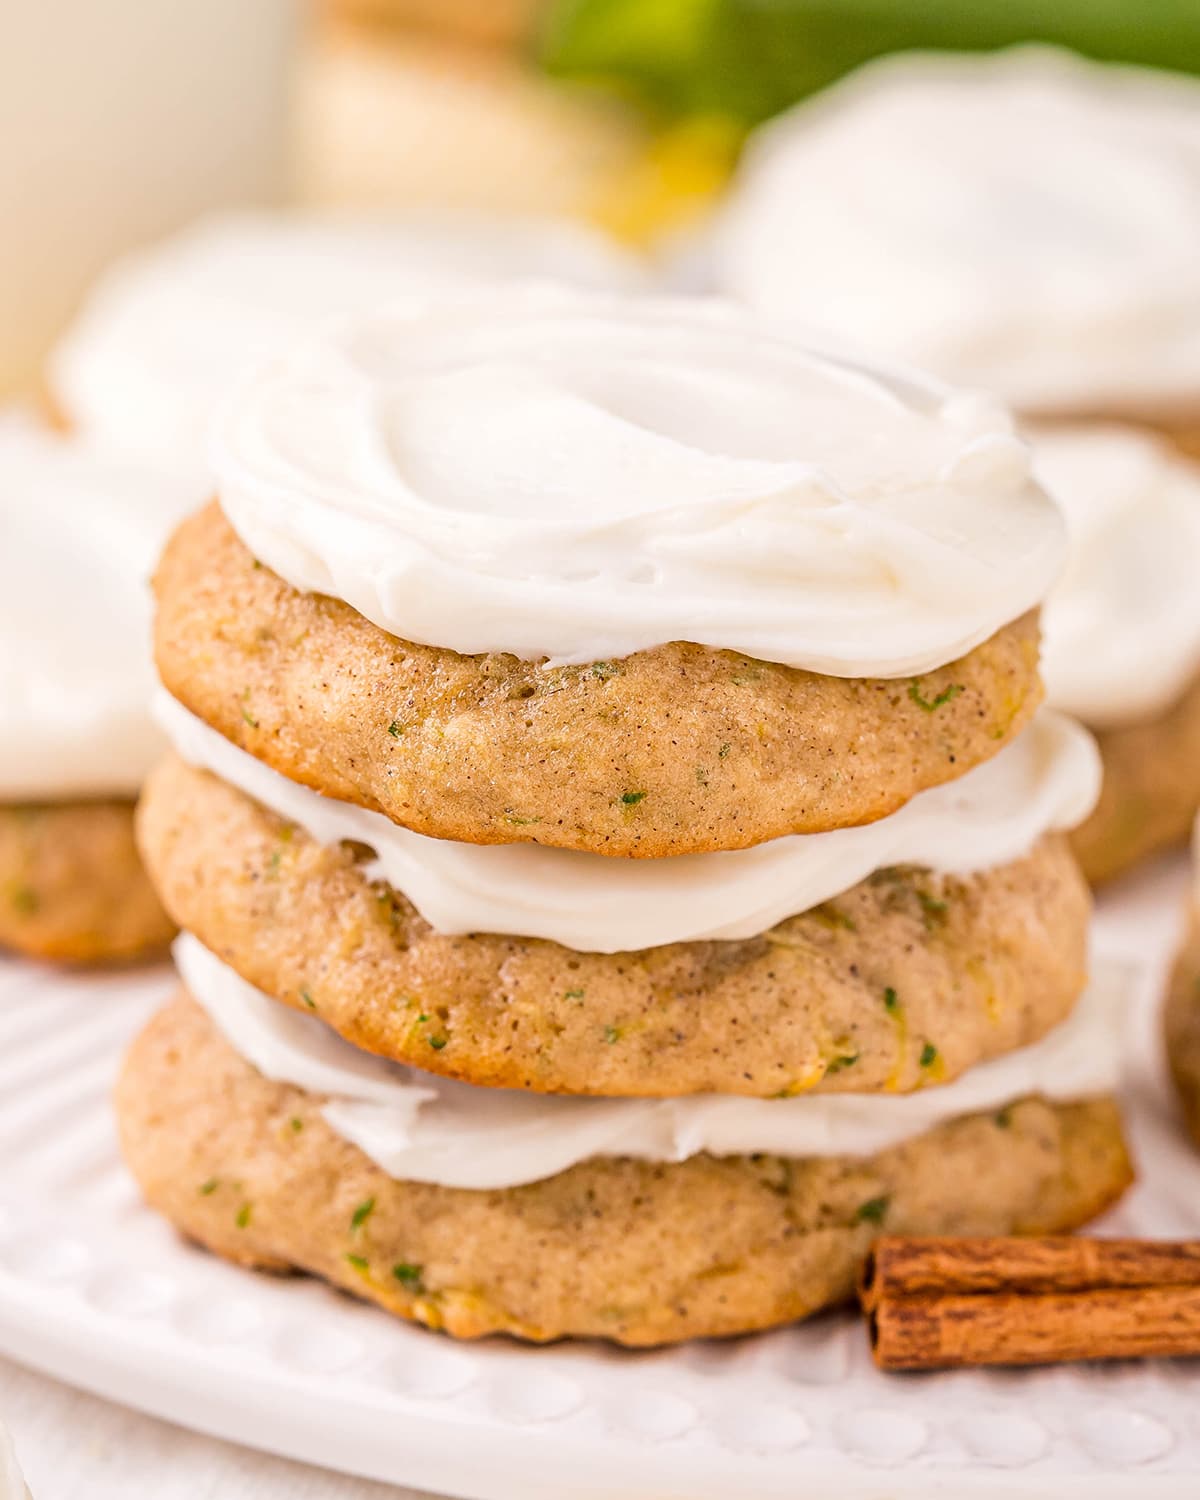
(72, 1446)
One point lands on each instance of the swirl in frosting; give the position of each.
(1023, 221)
(578, 476)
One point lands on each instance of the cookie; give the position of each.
(630, 1251)
(852, 995)
(675, 750)
(1151, 790)
(72, 886)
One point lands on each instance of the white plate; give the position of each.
(97, 1291)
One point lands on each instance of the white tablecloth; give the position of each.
(73, 1446)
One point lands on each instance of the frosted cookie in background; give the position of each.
(1121, 631)
(1181, 1013)
(80, 538)
(1023, 221)
(163, 334)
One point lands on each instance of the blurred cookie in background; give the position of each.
(1181, 1014)
(494, 23)
(76, 739)
(414, 103)
(423, 116)
(164, 334)
(1121, 632)
(1023, 221)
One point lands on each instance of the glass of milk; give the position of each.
(119, 121)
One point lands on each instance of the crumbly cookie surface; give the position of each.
(676, 750)
(72, 884)
(906, 979)
(1151, 790)
(636, 1252)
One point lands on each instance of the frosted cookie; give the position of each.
(163, 334)
(567, 1237)
(1122, 632)
(75, 682)
(836, 962)
(723, 586)
(1023, 221)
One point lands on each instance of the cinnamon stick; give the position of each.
(903, 1265)
(935, 1303)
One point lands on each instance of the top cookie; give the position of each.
(633, 577)
(678, 750)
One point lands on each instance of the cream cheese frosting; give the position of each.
(80, 537)
(1121, 631)
(419, 1127)
(164, 333)
(575, 476)
(1048, 779)
(1025, 221)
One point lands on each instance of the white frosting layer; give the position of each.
(78, 538)
(1121, 632)
(1024, 221)
(419, 1127)
(580, 477)
(163, 335)
(1049, 778)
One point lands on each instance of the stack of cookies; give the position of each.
(621, 855)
